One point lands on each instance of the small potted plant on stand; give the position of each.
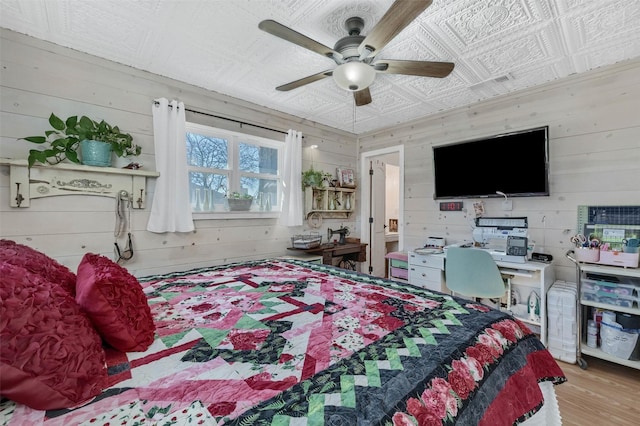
(121, 143)
(76, 135)
(239, 202)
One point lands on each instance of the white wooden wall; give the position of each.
(594, 123)
(39, 78)
(594, 126)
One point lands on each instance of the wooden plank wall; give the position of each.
(594, 126)
(39, 78)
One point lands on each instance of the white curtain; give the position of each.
(292, 208)
(171, 208)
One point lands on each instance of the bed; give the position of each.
(287, 342)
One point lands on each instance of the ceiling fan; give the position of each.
(355, 54)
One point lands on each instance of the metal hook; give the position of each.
(19, 197)
(139, 200)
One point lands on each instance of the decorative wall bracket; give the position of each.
(73, 179)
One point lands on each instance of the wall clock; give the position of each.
(451, 206)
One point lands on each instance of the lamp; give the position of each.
(354, 76)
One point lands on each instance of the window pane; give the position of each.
(261, 189)
(221, 162)
(258, 159)
(207, 190)
(207, 151)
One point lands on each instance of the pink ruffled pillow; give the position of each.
(39, 263)
(115, 302)
(50, 357)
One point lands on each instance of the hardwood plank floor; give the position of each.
(604, 394)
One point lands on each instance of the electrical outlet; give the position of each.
(507, 205)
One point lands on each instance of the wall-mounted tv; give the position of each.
(516, 164)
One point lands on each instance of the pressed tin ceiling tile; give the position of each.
(498, 47)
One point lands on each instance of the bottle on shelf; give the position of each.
(260, 201)
(206, 202)
(196, 195)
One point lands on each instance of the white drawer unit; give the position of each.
(427, 271)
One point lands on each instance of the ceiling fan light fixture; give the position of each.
(354, 76)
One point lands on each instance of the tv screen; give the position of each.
(516, 164)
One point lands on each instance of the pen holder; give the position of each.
(631, 245)
(587, 254)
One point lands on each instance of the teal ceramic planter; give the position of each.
(95, 153)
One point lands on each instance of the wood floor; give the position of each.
(603, 394)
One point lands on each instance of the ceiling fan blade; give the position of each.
(305, 80)
(399, 15)
(362, 97)
(286, 33)
(419, 68)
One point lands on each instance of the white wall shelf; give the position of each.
(73, 179)
(320, 200)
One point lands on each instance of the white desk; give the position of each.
(427, 270)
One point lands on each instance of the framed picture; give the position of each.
(347, 178)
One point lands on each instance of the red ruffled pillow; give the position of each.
(51, 357)
(39, 263)
(115, 302)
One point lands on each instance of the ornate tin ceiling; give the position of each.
(498, 47)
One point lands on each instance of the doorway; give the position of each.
(382, 176)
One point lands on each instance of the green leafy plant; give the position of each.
(121, 143)
(311, 178)
(239, 196)
(239, 202)
(64, 140)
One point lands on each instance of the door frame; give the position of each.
(365, 158)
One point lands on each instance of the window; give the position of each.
(222, 162)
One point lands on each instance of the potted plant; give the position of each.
(64, 141)
(239, 202)
(311, 178)
(121, 143)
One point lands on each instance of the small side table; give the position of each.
(343, 255)
(398, 265)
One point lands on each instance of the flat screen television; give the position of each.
(516, 164)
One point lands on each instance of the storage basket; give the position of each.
(400, 273)
(618, 341)
(618, 258)
(306, 241)
(587, 254)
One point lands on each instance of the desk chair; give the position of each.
(473, 273)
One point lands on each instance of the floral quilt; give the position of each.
(286, 342)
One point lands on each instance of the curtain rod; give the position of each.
(229, 119)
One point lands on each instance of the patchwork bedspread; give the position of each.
(285, 342)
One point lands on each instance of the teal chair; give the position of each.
(473, 273)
